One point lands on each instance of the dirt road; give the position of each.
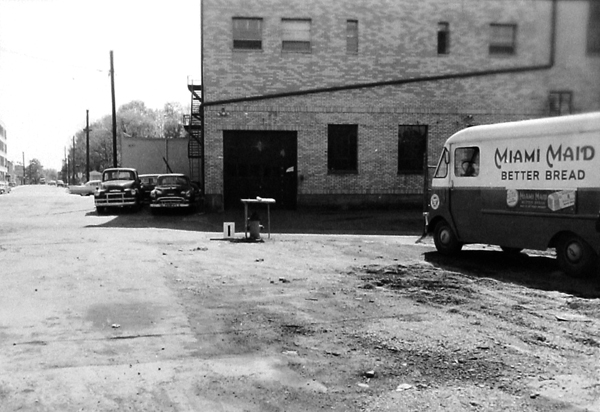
(155, 313)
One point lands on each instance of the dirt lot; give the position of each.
(140, 312)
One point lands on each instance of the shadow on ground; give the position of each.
(366, 222)
(532, 270)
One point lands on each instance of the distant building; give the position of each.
(3, 153)
(18, 176)
(10, 171)
(346, 103)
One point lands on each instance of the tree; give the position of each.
(51, 174)
(172, 116)
(135, 120)
(34, 171)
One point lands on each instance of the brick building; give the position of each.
(340, 102)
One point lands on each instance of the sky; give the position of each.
(55, 65)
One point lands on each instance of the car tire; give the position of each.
(445, 239)
(575, 256)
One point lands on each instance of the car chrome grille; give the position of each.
(115, 199)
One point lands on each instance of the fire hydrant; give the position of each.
(254, 226)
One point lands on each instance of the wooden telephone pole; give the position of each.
(87, 145)
(114, 110)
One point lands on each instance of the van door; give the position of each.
(465, 193)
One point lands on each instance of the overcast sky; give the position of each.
(55, 62)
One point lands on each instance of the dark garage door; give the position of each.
(260, 163)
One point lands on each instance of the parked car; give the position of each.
(120, 187)
(174, 190)
(4, 188)
(52, 183)
(86, 189)
(60, 183)
(147, 185)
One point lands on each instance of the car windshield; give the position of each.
(172, 180)
(119, 175)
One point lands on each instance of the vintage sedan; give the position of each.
(174, 190)
(147, 185)
(4, 188)
(85, 190)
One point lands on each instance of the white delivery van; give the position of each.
(531, 184)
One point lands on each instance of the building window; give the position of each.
(247, 33)
(342, 148)
(296, 35)
(352, 36)
(412, 145)
(560, 103)
(593, 30)
(443, 38)
(503, 39)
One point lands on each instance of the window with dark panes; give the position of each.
(247, 33)
(560, 103)
(342, 148)
(352, 36)
(295, 35)
(503, 38)
(412, 144)
(443, 39)
(593, 29)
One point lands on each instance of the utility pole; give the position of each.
(74, 175)
(68, 167)
(114, 110)
(24, 180)
(87, 145)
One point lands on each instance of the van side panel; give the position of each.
(536, 225)
(465, 209)
(537, 179)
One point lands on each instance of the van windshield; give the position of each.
(442, 168)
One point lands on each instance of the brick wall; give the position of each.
(397, 40)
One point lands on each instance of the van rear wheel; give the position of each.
(575, 256)
(445, 239)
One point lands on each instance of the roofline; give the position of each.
(547, 126)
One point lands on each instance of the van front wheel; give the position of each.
(575, 256)
(445, 239)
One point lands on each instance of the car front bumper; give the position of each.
(170, 202)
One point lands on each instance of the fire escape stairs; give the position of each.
(193, 124)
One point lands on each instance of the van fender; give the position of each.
(442, 218)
